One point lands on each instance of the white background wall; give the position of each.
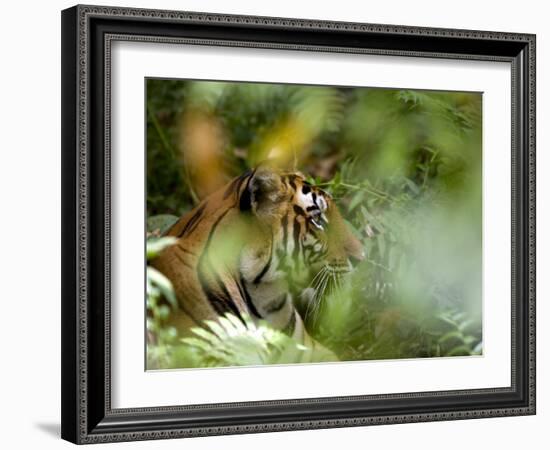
(30, 223)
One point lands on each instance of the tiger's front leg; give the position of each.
(271, 301)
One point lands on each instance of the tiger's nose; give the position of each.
(356, 258)
(354, 250)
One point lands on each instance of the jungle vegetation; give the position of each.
(405, 169)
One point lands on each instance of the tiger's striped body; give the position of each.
(252, 248)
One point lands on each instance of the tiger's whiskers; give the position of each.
(324, 284)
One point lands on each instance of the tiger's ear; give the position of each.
(263, 193)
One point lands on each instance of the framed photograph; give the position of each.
(281, 224)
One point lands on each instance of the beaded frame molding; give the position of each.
(87, 34)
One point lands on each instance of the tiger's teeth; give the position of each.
(320, 227)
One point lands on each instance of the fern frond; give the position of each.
(235, 342)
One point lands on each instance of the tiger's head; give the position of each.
(268, 243)
(307, 233)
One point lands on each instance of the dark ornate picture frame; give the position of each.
(87, 34)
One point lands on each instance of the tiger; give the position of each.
(253, 248)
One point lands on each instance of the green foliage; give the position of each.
(231, 342)
(160, 300)
(228, 342)
(158, 225)
(423, 267)
(403, 166)
(165, 99)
